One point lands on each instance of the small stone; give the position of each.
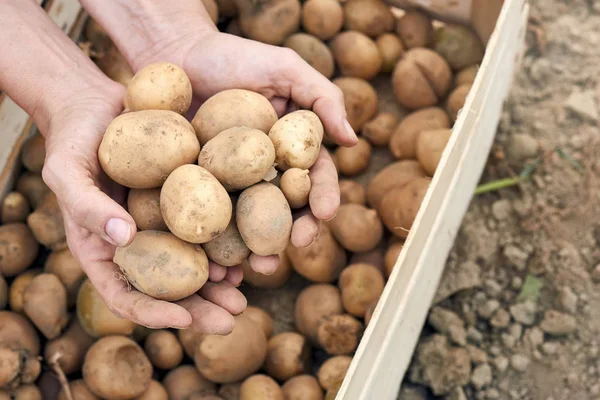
(456, 278)
(557, 323)
(550, 348)
(501, 209)
(516, 283)
(501, 363)
(567, 300)
(516, 257)
(492, 393)
(596, 274)
(492, 288)
(520, 147)
(534, 337)
(524, 312)
(537, 355)
(501, 319)
(495, 350)
(572, 379)
(595, 390)
(474, 335)
(514, 394)
(487, 309)
(479, 297)
(583, 103)
(476, 355)
(508, 340)
(519, 362)
(481, 376)
(516, 330)
(448, 323)
(457, 394)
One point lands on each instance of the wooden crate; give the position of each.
(386, 349)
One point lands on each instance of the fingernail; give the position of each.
(350, 131)
(118, 230)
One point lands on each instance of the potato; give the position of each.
(97, 35)
(15, 208)
(69, 349)
(352, 192)
(356, 227)
(459, 45)
(228, 249)
(394, 175)
(17, 368)
(399, 208)
(370, 311)
(260, 387)
(32, 186)
(430, 146)
(374, 257)
(212, 9)
(4, 395)
(379, 130)
(369, 17)
(163, 349)
(233, 107)
(295, 185)
(194, 205)
(189, 338)
(421, 79)
(45, 303)
(313, 51)
(270, 21)
(231, 358)
(227, 8)
(18, 286)
(18, 249)
(233, 27)
(79, 391)
(356, 55)
(184, 380)
(415, 28)
(116, 367)
(390, 49)
(17, 332)
(333, 371)
(466, 75)
(354, 160)
(340, 334)
(115, 66)
(288, 355)
(140, 333)
(322, 260)
(313, 304)
(140, 149)
(162, 266)
(65, 266)
(360, 285)
(322, 18)
(262, 318)
(46, 223)
(302, 387)
(95, 317)
(456, 100)
(230, 391)
(403, 143)
(264, 219)
(297, 139)
(33, 153)
(360, 100)
(28, 392)
(238, 157)
(3, 293)
(273, 281)
(204, 396)
(144, 207)
(391, 256)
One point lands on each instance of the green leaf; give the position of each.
(531, 289)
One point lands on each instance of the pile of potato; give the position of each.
(223, 186)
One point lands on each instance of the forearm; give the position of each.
(143, 30)
(41, 68)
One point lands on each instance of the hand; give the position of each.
(96, 221)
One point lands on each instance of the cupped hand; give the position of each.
(96, 221)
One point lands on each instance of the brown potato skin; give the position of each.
(391, 49)
(189, 338)
(155, 391)
(213, 10)
(70, 348)
(228, 249)
(369, 17)
(114, 65)
(274, 281)
(352, 192)
(18, 286)
(378, 131)
(18, 368)
(403, 142)
(295, 184)
(466, 75)
(313, 304)
(45, 303)
(340, 334)
(430, 146)
(456, 100)
(33, 153)
(459, 45)
(15, 208)
(231, 358)
(360, 100)
(46, 223)
(28, 392)
(233, 28)
(230, 391)
(356, 55)
(3, 293)
(18, 249)
(79, 391)
(260, 387)
(360, 285)
(322, 18)
(369, 312)
(313, 51)
(65, 266)
(322, 260)
(421, 79)
(400, 206)
(269, 22)
(302, 387)
(354, 160)
(374, 257)
(17, 332)
(391, 256)
(357, 228)
(116, 367)
(415, 29)
(97, 35)
(32, 186)
(288, 355)
(261, 317)
(333, 371)
(144, 207)
(227, 8)
(394, 175)
(184, 380)
(163, 349)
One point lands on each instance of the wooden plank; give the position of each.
(386, 349)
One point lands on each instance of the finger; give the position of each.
(216, 272)
(234, 276)
(225, 295)
(311, 90)
(265, 265)
(305, 229)
(207, 317)
(324, 197)
(280, 104)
